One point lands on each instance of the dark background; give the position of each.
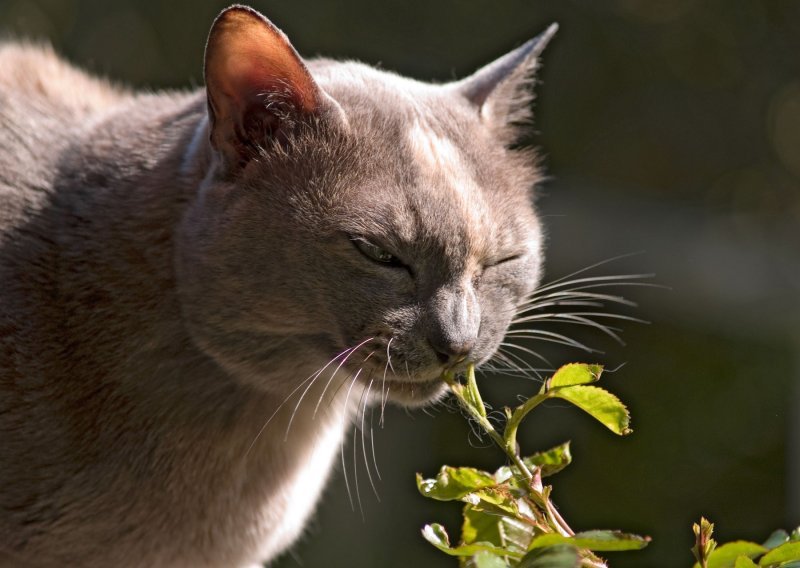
(669, 128)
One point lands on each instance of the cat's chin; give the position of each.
(414, 393)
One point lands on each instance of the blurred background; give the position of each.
(669, 128)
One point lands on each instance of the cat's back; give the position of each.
(44, 103)
(36, 73)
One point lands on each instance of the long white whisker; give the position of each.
(566, 297)
(344, 466)
(545, 315)
(524, 350)
(384, 395)
(372, 443)
(389, 355)
(514, 356)
(600, 280)
(595, 265)
(502, 355)
(552, 337)
(321, 396)
(285, 400)
(355, 475)
(365, 396)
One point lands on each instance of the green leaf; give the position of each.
(558, 556)
(600, 403)
(776, 539)
(504, 532)
(744, 562)
(784, 553)
(550, 461)
(575, 374)
(453, 483)
(479, 526)
(594, 540)
(486, 559)
(437, 536)
(725, 556)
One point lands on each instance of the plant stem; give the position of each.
(469, 396)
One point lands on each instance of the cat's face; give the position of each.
(370, 221)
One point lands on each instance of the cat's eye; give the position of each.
(505, 260)
(511, 258)
(375, 253)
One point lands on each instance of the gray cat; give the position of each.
(201, 291)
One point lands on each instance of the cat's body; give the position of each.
(165, 299)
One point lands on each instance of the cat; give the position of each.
(202, 290)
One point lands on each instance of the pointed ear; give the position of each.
(257, 85)
(502, 90)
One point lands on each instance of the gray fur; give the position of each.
(163, 306)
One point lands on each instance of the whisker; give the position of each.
(552, 337)
(365, 397)
(388, 354)
(609, 315)
(505, 357)
(604, 280)
(355, 475)
(344, 466)
(566, 297)
(372, 443)
(536, 354)
(521, 360)
(384, 391)
(524, 350)
(321, 396)
(598, 264)
(285, 400)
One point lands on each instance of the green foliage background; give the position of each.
(670, 127)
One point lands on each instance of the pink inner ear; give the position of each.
(247, 56)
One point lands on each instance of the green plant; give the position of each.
(780, 550)
(509, 519)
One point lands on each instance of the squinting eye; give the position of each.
(374, 252)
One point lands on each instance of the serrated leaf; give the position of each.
(601, 404)
(437, 536)
(453, 483)
(602, 541)
(744, 562)
(724, 556)
(784, 553)
(575, 374)
(550, 461)
(558, 556)
(776, 539)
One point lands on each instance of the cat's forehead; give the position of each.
(444, 176)
(438, 176)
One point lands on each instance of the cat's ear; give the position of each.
(257, 85)
(502, 91)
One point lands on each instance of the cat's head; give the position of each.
(355, 216)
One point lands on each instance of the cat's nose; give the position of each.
(451, 352)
